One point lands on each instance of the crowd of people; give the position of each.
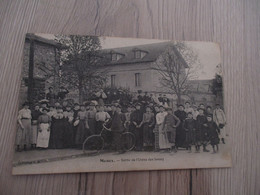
(156, 126)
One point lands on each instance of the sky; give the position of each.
(208, 52)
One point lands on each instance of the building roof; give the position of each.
(153, 51)
(30, 36)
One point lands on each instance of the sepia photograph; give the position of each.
(99, 104)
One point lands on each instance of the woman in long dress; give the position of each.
(155, 130)
(91, 114)
(81, 127)
(58, 127)
(44, 122)
(164, 143)
(68, 134)
(35, 115)
(24, 129)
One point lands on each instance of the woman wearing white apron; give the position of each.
(44, 129)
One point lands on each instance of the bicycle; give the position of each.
(96, 143)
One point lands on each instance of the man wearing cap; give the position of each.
(24, 130)
(180, 133)
(136, 119)
(201, 137)
(170, 123)
(213, 133)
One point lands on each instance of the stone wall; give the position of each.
(45, 66)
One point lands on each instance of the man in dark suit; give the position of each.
(136, 119)
(116, 129)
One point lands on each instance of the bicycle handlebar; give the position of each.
(104, 127)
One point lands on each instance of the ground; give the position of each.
(73, 160)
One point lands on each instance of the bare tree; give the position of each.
(177, 66)
(80, 63)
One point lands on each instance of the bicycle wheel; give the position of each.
(128, 141)
(93, 144)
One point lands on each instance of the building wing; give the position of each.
(139, 53)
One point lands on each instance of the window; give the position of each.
(114, 57)
(137, 80)
(138, 54)
(113, 80)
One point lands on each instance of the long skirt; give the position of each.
(34, 133)
(99, 127)
(163, 139)
(189, 138)
(68, 141)
(156, 137)
(92, 126)
(43, 136)
(81, 133)
(180, 136)
(58, 128)
(148, 135)
(23, 135)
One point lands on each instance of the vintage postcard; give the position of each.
(95, 104)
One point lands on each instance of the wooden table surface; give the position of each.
(232, 23)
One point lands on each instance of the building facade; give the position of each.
(133, 68)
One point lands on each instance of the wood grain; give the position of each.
(234, 24)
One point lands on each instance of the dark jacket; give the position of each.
(116, 122)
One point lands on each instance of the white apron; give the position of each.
(44, 136)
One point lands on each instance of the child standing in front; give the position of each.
(213, 133)
(189, 127)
